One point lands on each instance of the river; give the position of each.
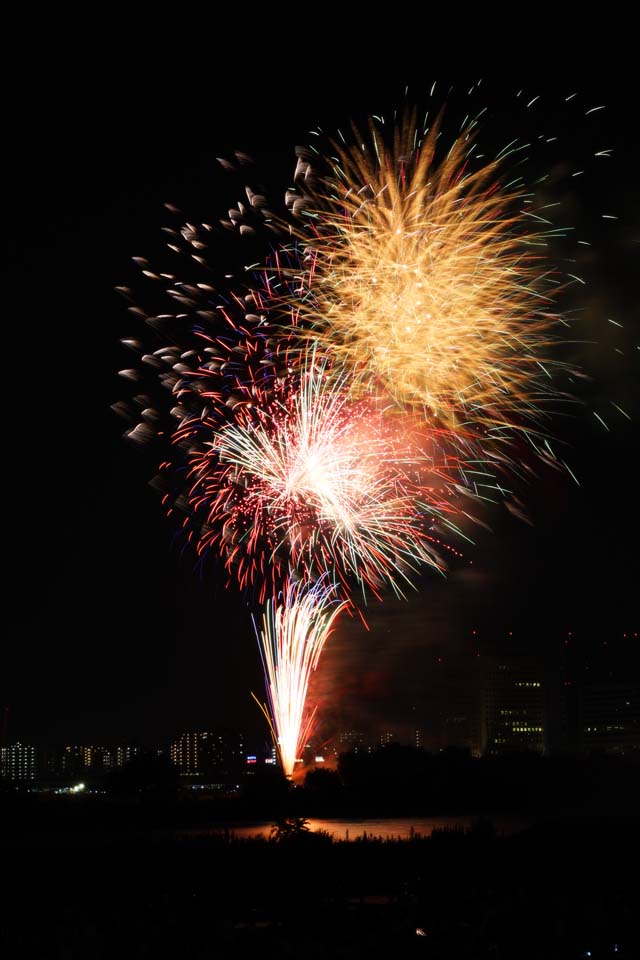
(388, 828)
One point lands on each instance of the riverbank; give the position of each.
(554, 889)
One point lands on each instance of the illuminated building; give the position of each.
(124, 755)
(599, 695)
(351, 740)
(513, 708)
(18, 762)
(86, 757)
(201, 753)
(221, 752)
(387, 737)
(184, 753)
(98, 758)
(416, 736)
(610, 718)
(75, 759)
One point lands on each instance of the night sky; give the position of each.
(112, 631)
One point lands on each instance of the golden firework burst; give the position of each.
(427, 279)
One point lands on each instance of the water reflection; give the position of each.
(402, 828)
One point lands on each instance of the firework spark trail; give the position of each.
(315, 480)
(294, 630)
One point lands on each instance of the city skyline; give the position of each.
(503, 705)
(450, 672)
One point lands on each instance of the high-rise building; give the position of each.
(18, 762)
(98, 758)
(51, 762)
(461, 730)
(77, 759)
(202, 753)
(72, 761)
(513, 708)
(184, 753)
(610, 718)
(124, 754)
(451, 709)
(222, 752)
(460, 721)
(597, 702)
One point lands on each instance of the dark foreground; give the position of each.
(564, 888)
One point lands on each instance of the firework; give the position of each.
(313, 480)
(328, 410)
(294, 630)
(426, 280)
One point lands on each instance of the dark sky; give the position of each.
(111, 632)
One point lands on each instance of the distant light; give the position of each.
(251, 759)
(269, 760)
(319, 759)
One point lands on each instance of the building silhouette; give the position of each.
(598, 697)
(461, 721)
(610, 718)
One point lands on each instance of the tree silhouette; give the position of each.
(288, 828)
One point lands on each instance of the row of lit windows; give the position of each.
(91, 756)
(193, 750)
(607, 729)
